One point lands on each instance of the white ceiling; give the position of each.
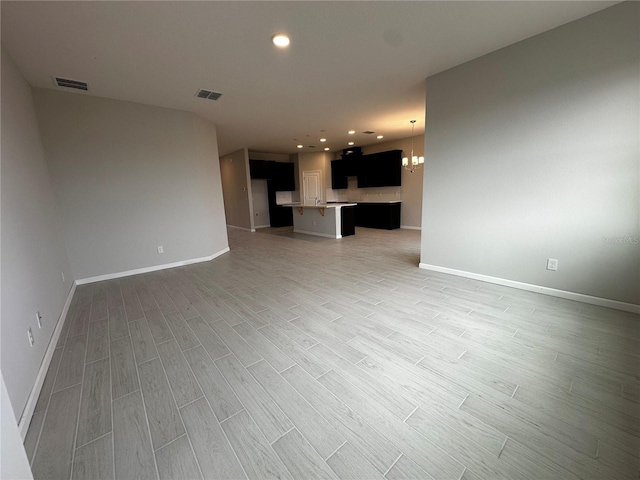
(351, 65)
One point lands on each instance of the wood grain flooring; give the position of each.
(302, 357)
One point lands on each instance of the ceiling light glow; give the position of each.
(280, 40)
(351, 132)
(326, 149)
(351, 143)
(380, 136)
(299, 146)
(323, 139)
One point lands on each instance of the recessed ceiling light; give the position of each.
(280, 40)
(323, 139)
(350, 143)
(351, 132)
(380, 136)
(326, 149)
(300, 146)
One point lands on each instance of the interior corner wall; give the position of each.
(234, 169)
(129, 178)
(33, 256)
(533, 152)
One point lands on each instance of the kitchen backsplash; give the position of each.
(355, 194)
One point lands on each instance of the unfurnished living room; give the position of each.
(355, 240)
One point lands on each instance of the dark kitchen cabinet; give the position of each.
(283, 177)
(379, 215)
(338, 175)
(348, 221)
(279, 216)
(382, 169)
(281, 174)
(260, 169)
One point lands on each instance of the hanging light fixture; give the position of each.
(416, 162)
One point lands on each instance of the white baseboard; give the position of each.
(241, 228)
(579, 297)
(262, 226)
(27, 413)
(410, 227)
(154, 268)
(327, 235)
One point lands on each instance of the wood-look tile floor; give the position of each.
(301, 357)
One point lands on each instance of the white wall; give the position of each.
(33, 256)
(130, 177)
(533, 152)
(13, 459)
(236, 186)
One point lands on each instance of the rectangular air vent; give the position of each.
(66, 83)
(208, 94)
(369, 132)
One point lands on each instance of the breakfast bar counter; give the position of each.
(332, 220)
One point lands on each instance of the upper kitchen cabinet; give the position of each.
(260, 169)
(382, 169)
(283, 177)
(280, 173)
(338, 174)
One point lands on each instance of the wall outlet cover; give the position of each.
(552, 264)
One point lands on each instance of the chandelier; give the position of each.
(416, 162)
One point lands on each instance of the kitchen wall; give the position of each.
(33, 256)
(315, 161)
(129, 177)
(236, 185)
(533, 152)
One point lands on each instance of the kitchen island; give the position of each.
(332, 220)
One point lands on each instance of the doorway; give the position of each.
(311, 186)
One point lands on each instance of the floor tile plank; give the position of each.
(255, 454)
(210, 445)
(164, 421)
(133, 454)
(267, 415)
(55, 450)
(94, 460)
(95, 406)
(218, 392)
(322, 436)
(177, 460)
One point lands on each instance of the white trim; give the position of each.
(252, 230)
(27, 413)
(410, 227)
(327, 235)
(262, 226)
(579, 297)
(153, 268)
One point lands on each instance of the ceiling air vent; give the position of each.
(66, 83)
(369, 132)
(208, 94)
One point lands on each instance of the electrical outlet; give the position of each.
(552, 264)
(160, 249)
(39, 319)
(30, 336)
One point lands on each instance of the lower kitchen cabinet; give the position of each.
(384, 215)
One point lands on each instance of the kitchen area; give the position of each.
(322, 193)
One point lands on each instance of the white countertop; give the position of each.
(320, 205)
(379, 201)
